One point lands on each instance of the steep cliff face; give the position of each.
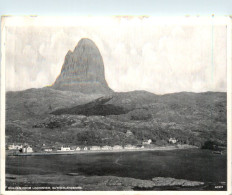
(83, 70)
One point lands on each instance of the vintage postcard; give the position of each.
(121, 103)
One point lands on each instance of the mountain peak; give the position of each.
(83, 70)
(85, 41)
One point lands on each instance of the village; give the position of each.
(26, 148)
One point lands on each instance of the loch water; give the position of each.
(189, 164)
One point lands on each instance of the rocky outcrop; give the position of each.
(168, 181)
(83, 70)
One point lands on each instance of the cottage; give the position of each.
(129, 147)
(172, 140)
(26, 149)
(129, 133)
(47, 150)
(85, 148)
(106, 148)
(15, 147)
(65, 149)
(29, 149)
(117, 147)
(95, 148)
(78, 148)
(147, 142)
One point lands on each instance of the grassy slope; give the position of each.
(33, 103)
(192, 118)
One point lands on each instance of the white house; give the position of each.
(29, 149)
(129, 147)
(85, 148)
(47, 150)
(172, 140)
(147, 142)
(63, 149)
(15, 147)
(106, 148)
(117, 147)
(78, 148)
(95, 148)
(129, 133)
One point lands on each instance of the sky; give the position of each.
(139, 53)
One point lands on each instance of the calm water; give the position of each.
(192, 164)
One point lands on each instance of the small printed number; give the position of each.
(218, 187)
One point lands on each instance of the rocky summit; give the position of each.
(83, 70)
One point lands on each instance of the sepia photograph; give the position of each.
(120, 103)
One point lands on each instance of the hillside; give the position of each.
(192, 118)
(33, 103)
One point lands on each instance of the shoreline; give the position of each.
(98, 183)
(162, 148)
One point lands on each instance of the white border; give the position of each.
(229, 104)
(72, 21)
(107, 20)
(2, 106)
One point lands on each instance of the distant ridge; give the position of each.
(83, 70)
